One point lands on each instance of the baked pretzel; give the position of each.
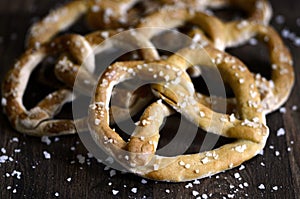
(79, 66)
(38, 120)
(104, 14)
(138, 155)
(107, 14)
(81, 80)
(274, 92)
(223, 35)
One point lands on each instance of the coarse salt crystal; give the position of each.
(205, 160)
(3, 158)
(3, 102)
(240, 148)
(232, 118)
(237, 175)
(242, 167)
(189, 185)
(45, 139)
(134, 190)
(155, 167)
(16, 173)
(282, 110)
(261, 186)
(202, 114)
(3, 150)
(280, 132)
(97, 121)
(195, 193)
(187, 166)
(46, 155)
(115, 192)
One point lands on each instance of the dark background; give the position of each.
(42, 178)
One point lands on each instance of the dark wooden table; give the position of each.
(27, 174)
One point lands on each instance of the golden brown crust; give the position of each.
(169, 81)
(138, 155)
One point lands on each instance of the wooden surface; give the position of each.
(65, 176)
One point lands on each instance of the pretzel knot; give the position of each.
(78, 62)
(173, 86)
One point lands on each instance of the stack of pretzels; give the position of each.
(169, 88)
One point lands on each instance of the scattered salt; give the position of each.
(294, 108)
(282, 110)
(46, 155)
(279, 19)
(81, 158)
(46, 140)
(280, 132)
(16, 173)
(134, 190)
(261, 186)
(195, 193)
(237, 175)
(115, 192)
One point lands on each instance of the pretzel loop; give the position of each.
(37, 120)
(142, 146)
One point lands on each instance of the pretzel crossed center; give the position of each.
(138, 155)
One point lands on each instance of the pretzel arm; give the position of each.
(276, 91)
(144, 140)
(28, 121)
(55, 22)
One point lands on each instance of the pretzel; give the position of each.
(67, 71)
(258, 11)
(37, 121)
(138, 156)
(274, 92)
(223, 35)
(106, 14)
(79, 51)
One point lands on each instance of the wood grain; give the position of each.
(42, 178)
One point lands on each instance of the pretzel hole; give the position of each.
(120, 98)
(42, 81)
(201, 85)
(229, 13)
(188, 143)
(255, 57)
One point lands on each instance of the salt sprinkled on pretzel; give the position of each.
(124, 100)
(38, 120)
(275, 91)
(229, 34)
(250, 130)
(106, 14)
